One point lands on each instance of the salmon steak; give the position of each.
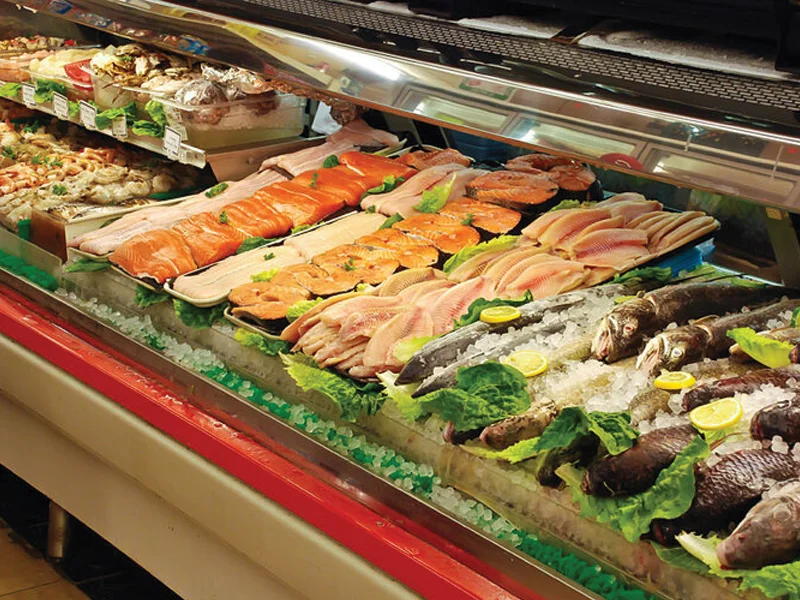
(512, 188)
(483, 215)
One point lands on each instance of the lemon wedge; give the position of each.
(720, 414)
(674, 380)
(500, 314)
(529, 362)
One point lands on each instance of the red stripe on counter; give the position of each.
(401, 554)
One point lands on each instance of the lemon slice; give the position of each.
(529, 362)
(500, 314)
(674, 380)
(720, 414)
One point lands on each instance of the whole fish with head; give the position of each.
(636, 469)
(447, 349)
(779, 419)
(705, 338)
(625, 328)
(744, 384)
(769, 533)
(647, 404)
(517, 428)
(726, 491)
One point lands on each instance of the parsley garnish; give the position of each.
(223, 217)
(350, 265)
(314, 178)
(58, 189)
(468, 219)
(9, 152)
(269, 256)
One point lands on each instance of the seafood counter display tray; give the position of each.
(510, 492)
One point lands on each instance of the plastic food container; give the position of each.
(75, 90)
(14, 65)
(252, 119)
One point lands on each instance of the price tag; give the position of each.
(119, 127)
(172, 143)
(28, 95)
(88, 115)
(60, 106)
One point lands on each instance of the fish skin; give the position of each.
(726, 491)
(768, 535)
(517, 428)
(447, 348)
(625, 328)
(636, 469)
(646, 405)
(705, 338)
(537, 162)
(579, 452)
(743, 384)
(782, 418)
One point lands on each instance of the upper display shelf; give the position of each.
(735, 134)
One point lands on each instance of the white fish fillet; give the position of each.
(309, 158)
(105, 240)
(218, 280)
(425, 179)
(358, 133)
(343, 231)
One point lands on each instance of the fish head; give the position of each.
(672, 349)
(767, 535)
(621, 330)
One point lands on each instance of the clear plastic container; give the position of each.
(252, 119)
(14, 65)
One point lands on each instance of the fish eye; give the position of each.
(676, 352)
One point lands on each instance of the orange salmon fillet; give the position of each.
(160, 254)
(208, 238)
(340, 182)
(375, 168)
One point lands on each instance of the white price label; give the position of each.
(28, 95)
(88, 115)
(61, 106)
(119, 127)
(172, 143)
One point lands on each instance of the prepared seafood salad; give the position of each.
(48, 164)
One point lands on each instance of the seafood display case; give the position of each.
(521, 320)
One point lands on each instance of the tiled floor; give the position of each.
(93, 568)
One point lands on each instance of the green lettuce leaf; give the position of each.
(564, 204)
(145, 297)
(473, 313)
(198, 318)
(502, 242)
(572, 423)
(330, 162)
(156, 126)
(252, 243)
(299, 228)
(264, 275)
(434, 200)
(484, 394)
(298, 309)
(774, 581)
(353, 399)
(216, 190)
(104, 119)
(395, 218)
(45, 88)
(268, 346)
(10, 90)
(86, 265)
(678, 557)
(389, 183)
(405, 349)
(410, 408)
(634, 276)
(795, 317)
(669, 498)
(769, 352)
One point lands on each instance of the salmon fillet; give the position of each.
(160, 254)
(209, 237)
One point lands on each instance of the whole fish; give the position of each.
(637, 469)
(625, 328)
(744, 384)
(769, 534)
(529, 424)
(447, 348)
(726, 491)
(781, 418)
(647, 404)
(580, 451)
(706, 337)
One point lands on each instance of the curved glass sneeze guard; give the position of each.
(722, 157)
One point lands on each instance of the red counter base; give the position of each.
(415, 562)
